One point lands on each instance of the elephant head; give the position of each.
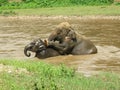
(62, 30)
(36, 45)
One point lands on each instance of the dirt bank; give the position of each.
(61, 17)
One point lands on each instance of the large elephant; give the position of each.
(76, 45)
(41, 50)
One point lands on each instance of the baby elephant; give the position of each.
(40, 48)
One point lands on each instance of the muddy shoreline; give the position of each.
(61, 17)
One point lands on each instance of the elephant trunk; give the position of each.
(26, 49)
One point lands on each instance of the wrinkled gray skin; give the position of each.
(84, 46)
(41, 50)
(80, 45)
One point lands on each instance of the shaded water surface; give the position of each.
(16, 32)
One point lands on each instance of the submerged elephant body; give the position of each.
(84, 46)
(80, 47)
(49, 52)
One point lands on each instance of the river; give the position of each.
(16, 32)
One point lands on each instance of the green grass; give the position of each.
(5, 4)
(37, 75)
(69, 11)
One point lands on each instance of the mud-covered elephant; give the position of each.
(74, 44)
(40, 49)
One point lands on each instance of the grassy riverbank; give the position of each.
(112, 10)
(36, 75)
(58, 7)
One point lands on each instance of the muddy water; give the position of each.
(16, 32)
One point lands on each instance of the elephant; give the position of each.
(76, 45)
(40, 48)
(64, 40)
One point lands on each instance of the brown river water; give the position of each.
(16, 32)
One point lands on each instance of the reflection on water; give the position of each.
(15, 33)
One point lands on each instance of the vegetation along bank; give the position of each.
(17, 4)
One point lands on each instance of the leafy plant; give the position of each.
(3, 2)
